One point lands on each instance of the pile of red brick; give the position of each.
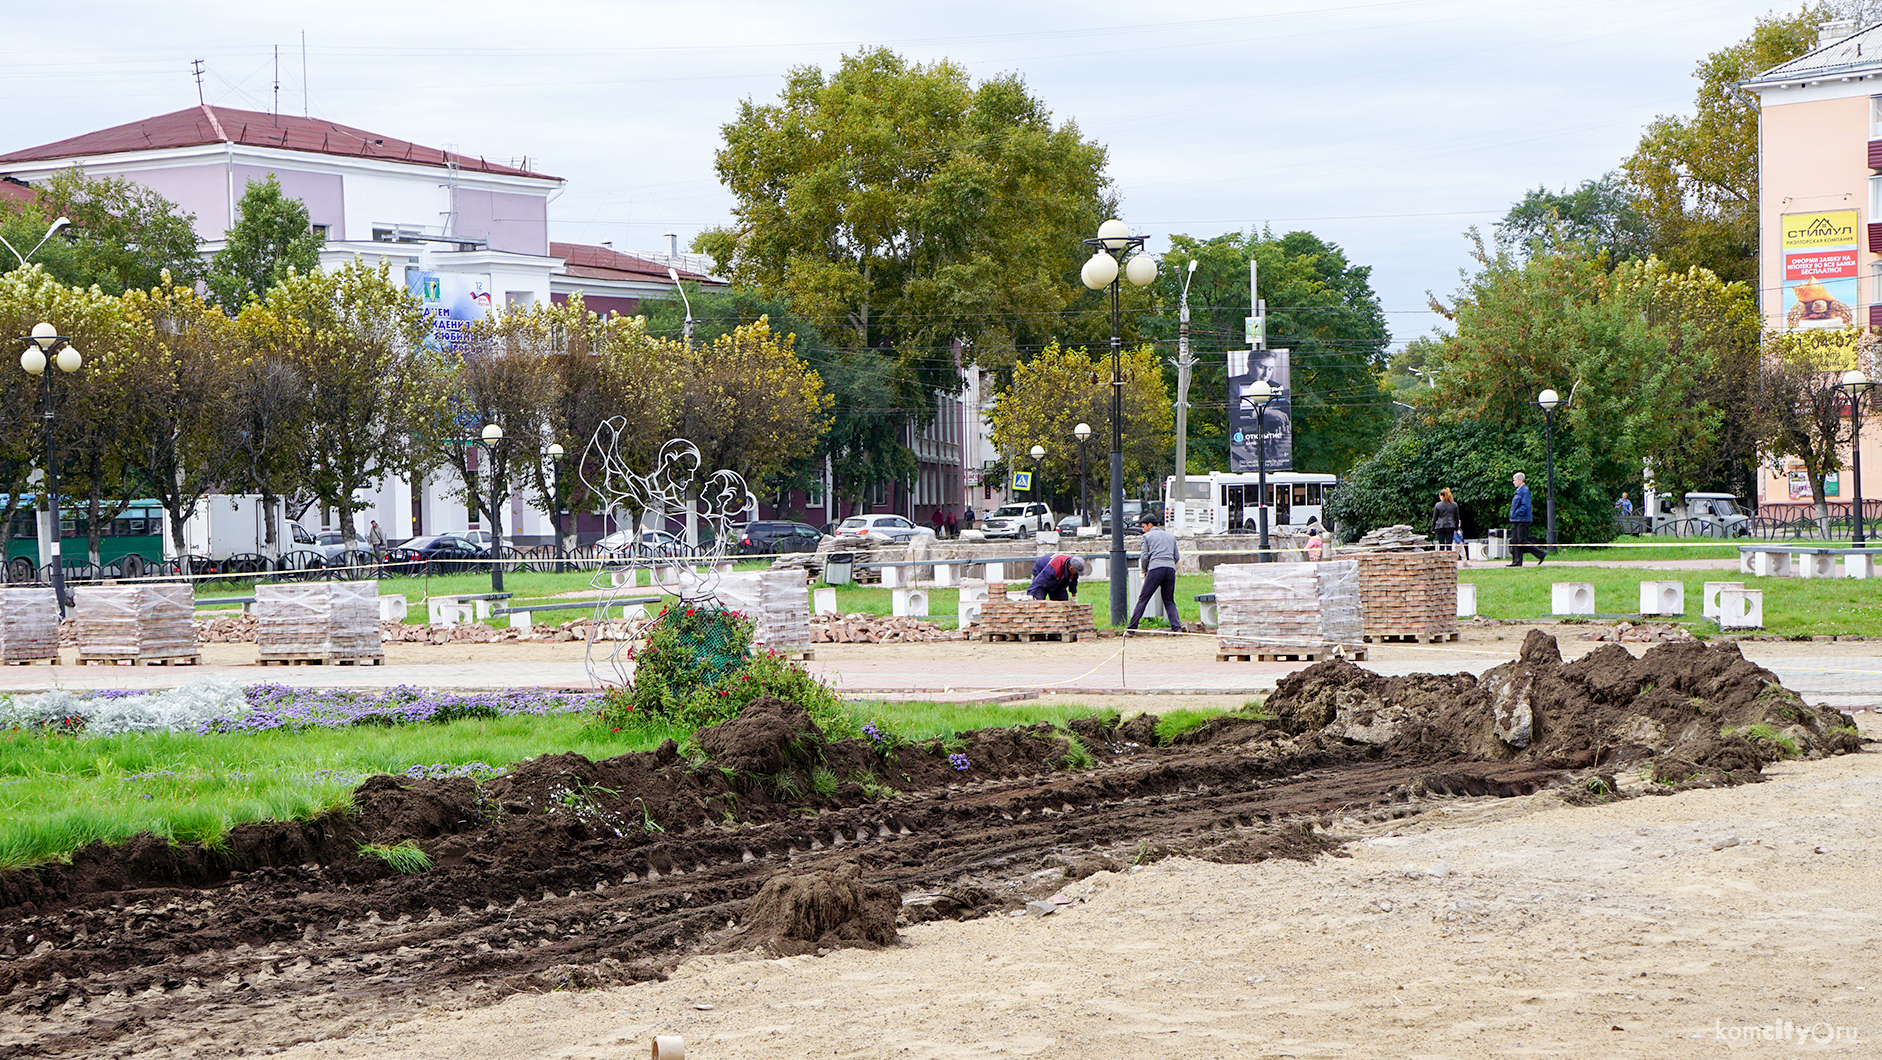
(1408, 594)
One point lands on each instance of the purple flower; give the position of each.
(959, 761)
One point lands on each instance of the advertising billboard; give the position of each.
(1820, 277)
(1273, 436)
(450, 301)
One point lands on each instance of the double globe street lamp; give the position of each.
(492, 437)
(1855, 383)
(35, 360)
(1548, 399)
(1082, 432)
(1260, 395)
(1102, 270)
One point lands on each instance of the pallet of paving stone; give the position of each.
(192, 659)
(312, 659)
(777, 600)
(1411, 637)
(29, 625)
(1004, 617)
(326, 621)
(1287, 608)
(1330, 651)
(128, 622)
(1405, 594)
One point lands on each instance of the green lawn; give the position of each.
(1792, 606)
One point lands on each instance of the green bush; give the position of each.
(688, 648)
(767, 673)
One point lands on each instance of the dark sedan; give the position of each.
(444, 553)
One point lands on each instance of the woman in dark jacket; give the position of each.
(1446, 527)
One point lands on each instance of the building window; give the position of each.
(1875, 117)
(382, 235)
(813, 496)
(320, 231)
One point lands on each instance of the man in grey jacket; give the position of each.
(1158, 560)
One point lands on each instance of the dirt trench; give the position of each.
(571, 873)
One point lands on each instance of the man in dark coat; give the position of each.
(1055, 577)
(1521, 515)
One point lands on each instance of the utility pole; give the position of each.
(1179, 504)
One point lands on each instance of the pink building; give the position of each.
(1820, 219)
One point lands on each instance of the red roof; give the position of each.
(605, 263)
(196, 126)
(17, 191)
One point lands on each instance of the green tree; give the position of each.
(1801, 409)
(1603, 214)
(271, 238)
(1050, 395)
(918, 220)
(123, 236)
(1320, 306)
(748, 403)
(1697, 177)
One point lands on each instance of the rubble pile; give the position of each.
(1638, 633)
(240, 629)
(1395, 538)
(876, 629)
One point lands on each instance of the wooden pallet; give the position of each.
(803, 654)
(316, 659)
(1428, 638)
(192, 659)
(1348, 652)
(53, 661)
(1067, 638)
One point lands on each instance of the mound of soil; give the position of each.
(795, 914)
(1690, 712)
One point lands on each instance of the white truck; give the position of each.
(1700, 515)
(232, 525)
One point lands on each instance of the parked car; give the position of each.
(1071, 524)
(449, 551)
(331, 544)
(621, 544)
(894, 527)
(1018, 520)
(765, 537)
(1133, 511)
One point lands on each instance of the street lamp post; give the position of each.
(685, 301)
(1038, 484)
(34, 360)
(1082, 432)
(1101, 271)
(1856, 384)
(492, 437)
(1262, 395)
(555, 453)
(1548, 399)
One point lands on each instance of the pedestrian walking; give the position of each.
(1055, 577)
(1521, 515)
(953, 526)
(376, 537)
(1157, 557)
(967, 518)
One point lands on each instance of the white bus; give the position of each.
(1221, 501)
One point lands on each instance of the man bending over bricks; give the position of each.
(1055, 577)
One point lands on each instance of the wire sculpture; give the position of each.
(673, 484)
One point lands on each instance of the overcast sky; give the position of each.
(1387, 127)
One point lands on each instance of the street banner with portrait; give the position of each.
(1820, 273)
(1273, 435)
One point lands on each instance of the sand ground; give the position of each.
(1735, 922)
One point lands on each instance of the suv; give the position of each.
(769, 536)
(1018, 520)
(893, 527)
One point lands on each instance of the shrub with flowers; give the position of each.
(767, 673)
(688, 648)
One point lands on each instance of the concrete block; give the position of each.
(1571, 598)
(1709, 606)
(1047, 537)
(969, 610)
(826, 601)
(1466, 600)
(1745, 563)
(522, 620)
(1858, 566)
(908, 602)
(626, 578)
(447, 613)
(892, 576)
(1811, 565)
(1741, 609)
(945, 574)
(973, 590)
(392, 608)
(633, 611)
(481, 610)
(1206, 612)
(1771, 564)
(1662, 598)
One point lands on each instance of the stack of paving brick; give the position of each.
(778, 601)
(1021, 617)
(1409, 594)
(1287, 607)
(326, 620)
(135, 621)
(29, 625)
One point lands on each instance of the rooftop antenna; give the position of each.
(306, 112)
(197, 65)
(277, 81)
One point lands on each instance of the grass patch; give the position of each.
(1793, 607)
(405, 858)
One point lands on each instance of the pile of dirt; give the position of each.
(1690, 712)
(797, 914)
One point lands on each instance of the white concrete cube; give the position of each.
(522, 620)
(1746, 560)
(1741, 609)
(1466, 600)
(1858, 566)
(633, 611)
(969, 610)
(393, 608)
(1206, 613)
(1816, 565)
(826, 600)
(908, 602)
(944, 574)
(1771, 564)
(973, 590)
(481, 609)
(448, 613)
(625, 578)
(1571, 598)
(1047, 537)
(1709, 606)
(1662, 598)
(891, 576)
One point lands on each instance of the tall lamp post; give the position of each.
(492, 437)
(555, 453)
(1856, 384)
(1101, 271)
(1038, 485)
(1082, 432)
(35, 361)
(685, 301)
(1261, 394)
(1548, 399)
